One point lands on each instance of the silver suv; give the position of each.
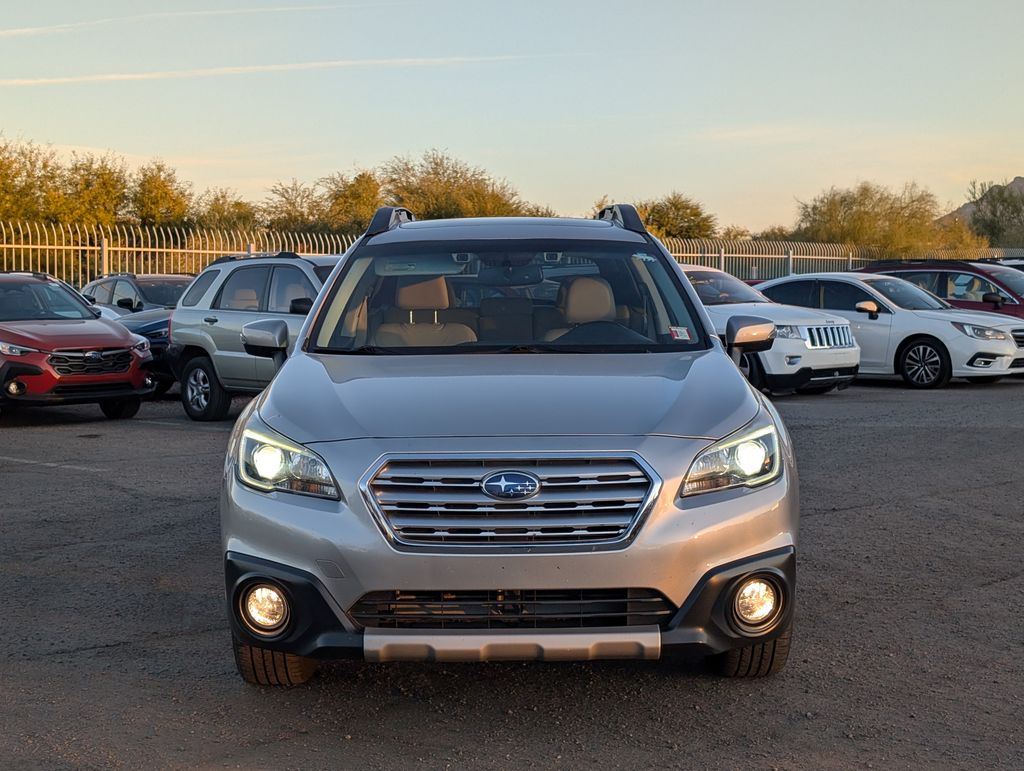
(508, 439)
(206, 354)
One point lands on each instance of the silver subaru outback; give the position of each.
(508, 438)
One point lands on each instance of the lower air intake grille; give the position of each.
(513, 609)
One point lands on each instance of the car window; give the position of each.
(1011, 277)
(244, 290)
(716, 288)
(124, 290)
(36, 301)
(905, 295)
(967, 287)
(288, 284)
(100, 291)
(933, 281)
(322, 272)
(198, 288)
(163, 291)
(794, 293)
(841, 296)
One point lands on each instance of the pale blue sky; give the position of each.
(746, 105)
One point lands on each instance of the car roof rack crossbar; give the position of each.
(624, 215)
(387, 218)
(931, 261)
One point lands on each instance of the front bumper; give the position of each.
(791, 365)
(44, 386)
(700, 626)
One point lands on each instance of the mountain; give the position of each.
(966, 211)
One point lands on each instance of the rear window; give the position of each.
(162, 291)
(198, 288)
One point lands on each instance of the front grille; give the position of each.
(430, 502)
(516, 609)
(829, 337)
(1016, 363)
(1018, 337)
(82, 363)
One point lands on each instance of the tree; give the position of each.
(735, 233)
(350, 202)
(774, 233)
(293, 206)
(220, 208)
(998, 211)
(677, 216)
(30, 177)
(158, 197)
(897, 222)
(93, 190)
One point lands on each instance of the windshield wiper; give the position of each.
(362, 350)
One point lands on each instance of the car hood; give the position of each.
(981, 318)
(66, 333)
(329, 398)
(781, 315)
(142, 319)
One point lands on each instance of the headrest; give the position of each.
(589, 299)
(506, 306)
(428, 294)
(243, 295)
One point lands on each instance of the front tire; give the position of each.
(261, 666)
(202, 395)
(924, 363)
(750, 366)
(757, 660)
(121, 409)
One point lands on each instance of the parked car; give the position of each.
(205, 353)
(904, 330)
(813, 352)
(126, 293)
(436, 481)
(155, 326)
(985, 286)
(56, 349)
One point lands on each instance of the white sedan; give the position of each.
(813, 352)
(904, 330)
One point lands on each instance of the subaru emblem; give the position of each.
(510, 485)
(93, 357)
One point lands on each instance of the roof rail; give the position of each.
(624, 215)
(388, 217)
(257, 256)
(33, 273)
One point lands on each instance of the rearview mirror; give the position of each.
(300, 306)
(748, 334)
(993, 297)
(267, 338)
(869, 307)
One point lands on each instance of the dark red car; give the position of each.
(55, 349)
(974, 286)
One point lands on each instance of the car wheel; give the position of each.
(202, 395)
(121, 409)
(750, 366)
(924, 363)
(757, 660)
(985, 380)
(261, 666)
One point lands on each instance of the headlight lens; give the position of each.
(746, 459)
(10, 349)
(268, 461)
(141, 344)
(787, 332)
(979, 332)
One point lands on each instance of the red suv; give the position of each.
(55, 349)
(974, 286)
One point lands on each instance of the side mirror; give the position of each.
(993, 297)
(301, 306)
(748, 334)
(126, 303)
(89, 299)
(267, 338)
(869, 307)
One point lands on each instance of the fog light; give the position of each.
(757, 601)
(264, 608)
(16, 388)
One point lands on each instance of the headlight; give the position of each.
(141, 344)
(980, 333)
(788, 332)
(268, 461)
(748, 458)
(158, 334)
(10, 349)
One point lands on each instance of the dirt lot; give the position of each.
(909, 650)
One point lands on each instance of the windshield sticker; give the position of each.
(679, 333)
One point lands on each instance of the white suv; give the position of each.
(907, 331)
(813, 352)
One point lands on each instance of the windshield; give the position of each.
(1014, 279)
(37, 301)
(322, 272)
(525, 296)
(716, 288)
(906, 295)
(163, 291)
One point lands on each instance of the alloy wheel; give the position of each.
(198, 389)
(923, 364)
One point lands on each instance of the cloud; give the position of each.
(250, 69)
(54, 29)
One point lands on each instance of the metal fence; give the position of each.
(78, 253)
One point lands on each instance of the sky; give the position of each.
(746, 105)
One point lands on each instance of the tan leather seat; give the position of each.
(243, 300)
(422, 295)
(588, 299)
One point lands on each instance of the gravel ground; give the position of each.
(114, 651)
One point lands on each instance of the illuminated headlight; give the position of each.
(140, 343)
(10, 349)
(748, 458)
(787, 332)
(268, 461)
(979, 332)
(264, 608)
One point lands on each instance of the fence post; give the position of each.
(104, 257)
(721, 258)
(849, 261)
(789, 262)
(250, 248)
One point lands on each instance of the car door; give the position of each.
(964, 289)
(241, 299)
(287, 283)
(874, 336)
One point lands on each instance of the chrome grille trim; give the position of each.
(831, 336)
(1018, 337)
(435, 502)
(72, 362)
